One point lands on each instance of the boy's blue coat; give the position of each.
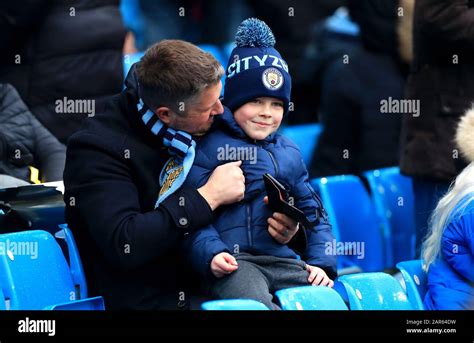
(242, 227)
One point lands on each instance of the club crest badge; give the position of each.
(272, 78)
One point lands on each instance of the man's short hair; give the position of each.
(175, 72)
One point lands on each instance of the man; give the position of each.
(123, 174)
(442, 81)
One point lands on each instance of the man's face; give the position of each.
(199, 116)
(260, 117)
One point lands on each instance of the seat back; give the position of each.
(375, 291)
(310, 298)
(357, 229)
(233, 305)
(34, 272)
(75, 264)
(305, 137)
(416, 281)
(392, 194)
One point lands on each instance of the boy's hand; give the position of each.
(317, 276)
(281, 227)
(226, 185)
(223, 264)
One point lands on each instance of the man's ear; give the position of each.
(164, 114)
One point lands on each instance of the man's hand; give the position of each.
(223, 264)
(317, 276)
(281, 227)
(226, 185)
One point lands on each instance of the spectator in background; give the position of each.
(59, 51)
(448, 251)
(330, 40)
(357, 135)
(24, 142)
(196, 21)
(442, 81)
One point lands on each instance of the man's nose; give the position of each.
(218, 108)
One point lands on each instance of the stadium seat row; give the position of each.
(35, 274)
(362, 291)
(375, 228)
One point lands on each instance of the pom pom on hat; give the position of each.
(253, 33)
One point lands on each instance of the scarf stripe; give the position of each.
(180, 145)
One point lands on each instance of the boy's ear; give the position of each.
(163, 114)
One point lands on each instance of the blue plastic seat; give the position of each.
(375, 291)
(35, 275)
(415, 281)
(310, 298)
(356, 228)
(393, 198)
(305, 137)
(129, 60)
(233, 305)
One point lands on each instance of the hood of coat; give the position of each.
(465, 135)
(405, 29)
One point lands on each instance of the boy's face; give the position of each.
(260, 117)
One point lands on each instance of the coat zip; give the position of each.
(249, 225)
(274, 162)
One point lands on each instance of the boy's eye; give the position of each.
(279, 104)
(256, 101)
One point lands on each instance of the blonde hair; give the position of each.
(450, 206)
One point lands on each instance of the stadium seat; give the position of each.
(233, 305)
(310, 298)
(130, 59)
(2, 300)
(34, 274)
(374, 291)
(392, 194)
(415, 281)
(305, 137)
(356, 228)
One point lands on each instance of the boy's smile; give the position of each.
(260, 117)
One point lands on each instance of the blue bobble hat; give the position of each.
(255, 68)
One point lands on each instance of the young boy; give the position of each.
(236, 255)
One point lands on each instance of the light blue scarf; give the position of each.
(180, 145)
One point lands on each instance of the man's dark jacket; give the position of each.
(442, 79)
(128, 248)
